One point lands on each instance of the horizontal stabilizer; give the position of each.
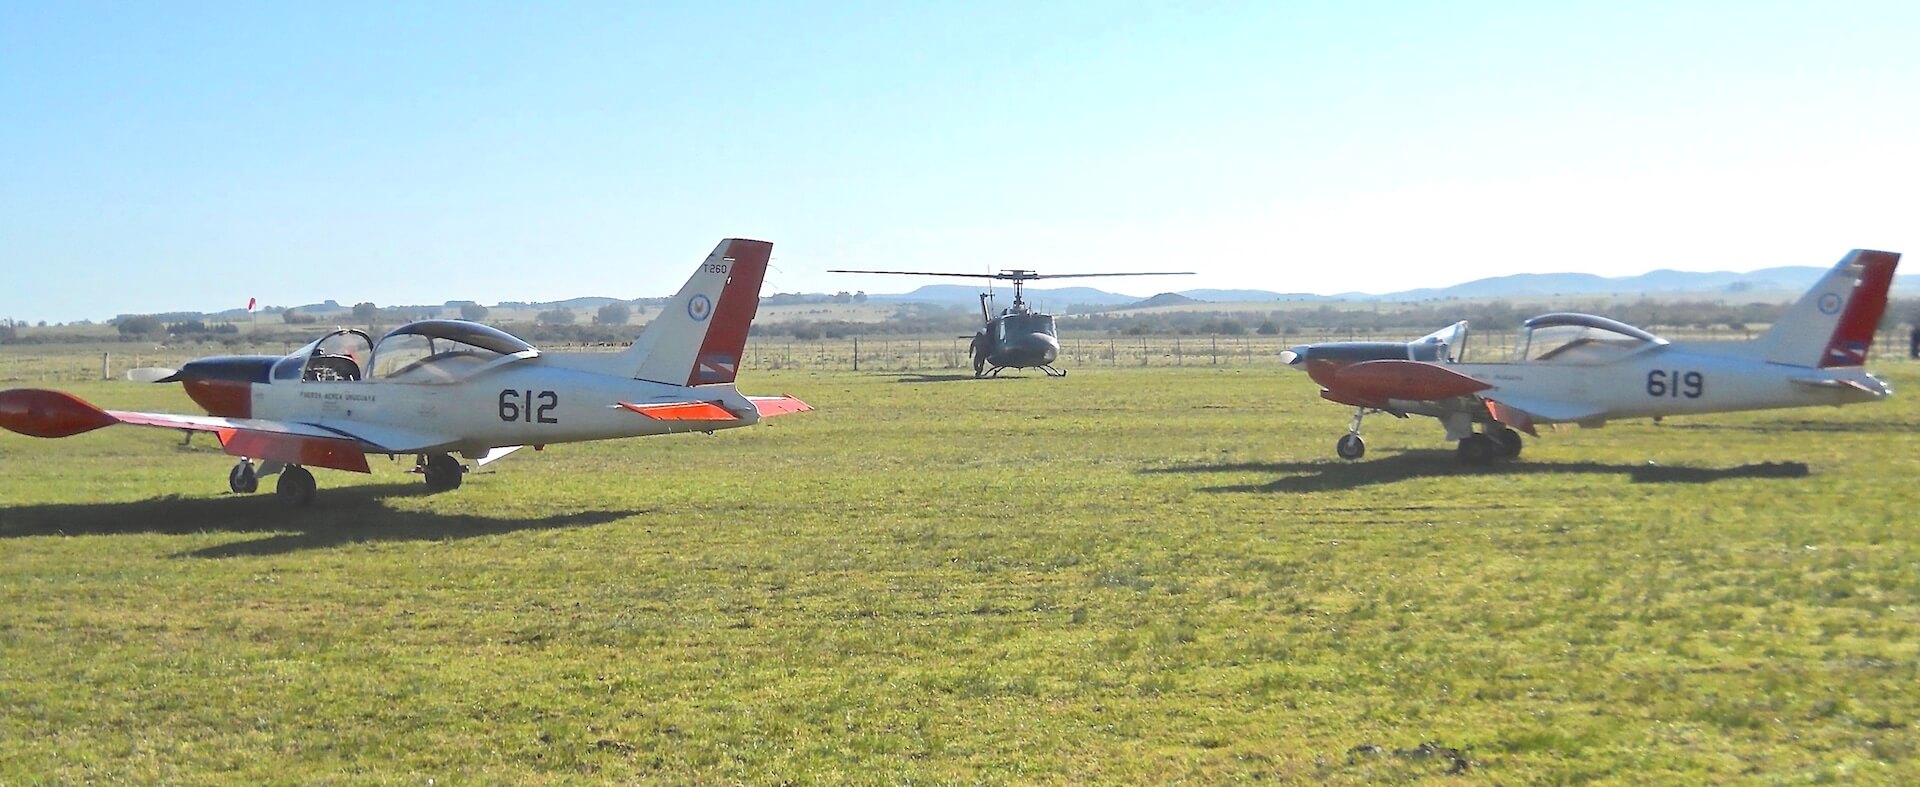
(770, 406)
(683, 411)
(1843, 383)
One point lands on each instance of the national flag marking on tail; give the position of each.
(715, 368)
(1847, 354)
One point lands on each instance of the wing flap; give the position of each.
(1540, 410)
(330, 452)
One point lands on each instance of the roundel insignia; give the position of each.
(700, 308)
(1830, 303)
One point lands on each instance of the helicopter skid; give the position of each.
(1048, 369)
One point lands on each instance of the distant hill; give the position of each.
(1164, 299)
(1771, 284)
(1664, 282)
(1252, 296)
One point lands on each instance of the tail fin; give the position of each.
(697, 339)
(1833, 324)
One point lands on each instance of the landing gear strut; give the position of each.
(1350, 447)
(442, 472)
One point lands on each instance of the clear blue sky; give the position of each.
(162, 156)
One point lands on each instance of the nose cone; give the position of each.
(1295, 357)
(1033, 349)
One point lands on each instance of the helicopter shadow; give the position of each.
(937, 378)
(338, 516)
(1330, 476)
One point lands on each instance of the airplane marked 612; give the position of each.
(440, 388)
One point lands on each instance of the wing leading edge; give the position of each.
(42, 413)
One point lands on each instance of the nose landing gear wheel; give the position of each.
(1507, 441)
(242, 480)
(1477, 449)
(295, 488)
(442, 473)
(1350, 447)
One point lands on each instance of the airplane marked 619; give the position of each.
(1588, 370)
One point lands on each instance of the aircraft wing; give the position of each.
(42, 413)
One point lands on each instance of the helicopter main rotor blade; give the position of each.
(926, 273)
(1090, 275)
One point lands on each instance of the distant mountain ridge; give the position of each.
(1769, 283)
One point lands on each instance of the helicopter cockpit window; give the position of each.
(441, 351)
(1581, 339)
(1030, 323)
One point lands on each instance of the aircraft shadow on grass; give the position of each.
(338, 516)
(1327, 476)
(1778, 427)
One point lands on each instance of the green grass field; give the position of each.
(1127, 575)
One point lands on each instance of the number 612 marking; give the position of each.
(528, 406)
(1676, 383)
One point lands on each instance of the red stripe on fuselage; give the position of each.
(733, 314)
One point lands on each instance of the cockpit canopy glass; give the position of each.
(1581, 339)
(341, 355)
(1022, 324)
(441, 351)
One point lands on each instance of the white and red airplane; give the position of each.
(1578, 368)
(436, 388)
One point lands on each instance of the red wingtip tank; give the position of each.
(41, 413)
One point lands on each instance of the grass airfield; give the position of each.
(1127, 575)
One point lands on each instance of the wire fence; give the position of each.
(73, 363)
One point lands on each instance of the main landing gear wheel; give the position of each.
(1507, 441)
(442, 473)
(1477, 449)
(242, 480)
(296, 487)
(1350, 447)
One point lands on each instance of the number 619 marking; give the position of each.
(1673, 384)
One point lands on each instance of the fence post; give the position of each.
(856, 353)
(105, 365)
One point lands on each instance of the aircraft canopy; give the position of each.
(1567, 337)
(438, 351)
